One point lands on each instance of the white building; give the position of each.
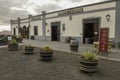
(81, 23)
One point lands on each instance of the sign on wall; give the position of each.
(70, 11)
(104, 33)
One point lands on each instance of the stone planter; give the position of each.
(12, 47)
(88, 65)
(46, 54)
(28, 50)
(74, 45)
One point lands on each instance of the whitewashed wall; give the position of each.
(36, 23)
(16, 29)
(100, 6)
(24, 24)
(74, 27)
(103, 23)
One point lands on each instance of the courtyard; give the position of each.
(15, 65)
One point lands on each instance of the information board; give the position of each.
(104, 33)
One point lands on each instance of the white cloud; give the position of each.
(12, 9)
(42, 2)
(16, 8)
(4, 27)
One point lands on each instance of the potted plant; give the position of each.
(46, 52)
(19, 39)
(28, 49)
(88, 62)
(12, 45)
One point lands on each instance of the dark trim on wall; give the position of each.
(75, 7)
(24, 22)
(35, 20)
(85, 12)
(83, 6)
(24, 19)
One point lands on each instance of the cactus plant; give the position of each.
(46, 52)
(88, 62)
(89, 56)
(46, 48)
(12, 45)
(12, 41)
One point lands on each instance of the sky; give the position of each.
(12, 9)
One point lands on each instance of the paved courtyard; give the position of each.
(113, 54)
(14, 65)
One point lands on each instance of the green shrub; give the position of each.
(46, 48)
(13, 41)
(89, 56)
(28, 45)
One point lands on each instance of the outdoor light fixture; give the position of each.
(70, 17)
(108, 17)
(63, 27)
(46, 24)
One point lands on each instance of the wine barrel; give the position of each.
(74, 45)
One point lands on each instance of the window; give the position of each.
(20, 30)
(35, 30)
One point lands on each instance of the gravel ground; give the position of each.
(14, 65)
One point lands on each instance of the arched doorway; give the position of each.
(25, 32)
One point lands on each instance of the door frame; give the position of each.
(91, 20)
(58, 24)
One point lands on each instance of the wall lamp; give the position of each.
(63, 27)
(108, 17)
(70, 17)
(46, 24)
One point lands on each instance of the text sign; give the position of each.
(104, 33)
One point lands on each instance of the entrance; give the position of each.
(55, 31)
(90, 30)
(25, 32)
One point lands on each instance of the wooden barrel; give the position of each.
(74, 45)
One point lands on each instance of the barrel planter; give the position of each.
(74, 45)
(88, 65)
(46, 54)
(28, 50)
(12, 47)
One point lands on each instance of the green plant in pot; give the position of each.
(88, 62)
(46, 52)
(12, 45)
(28, 49)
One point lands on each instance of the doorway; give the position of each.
(25, 32)
(14, 31)
(90, 30)
(55, 31)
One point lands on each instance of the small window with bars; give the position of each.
(35, 30)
